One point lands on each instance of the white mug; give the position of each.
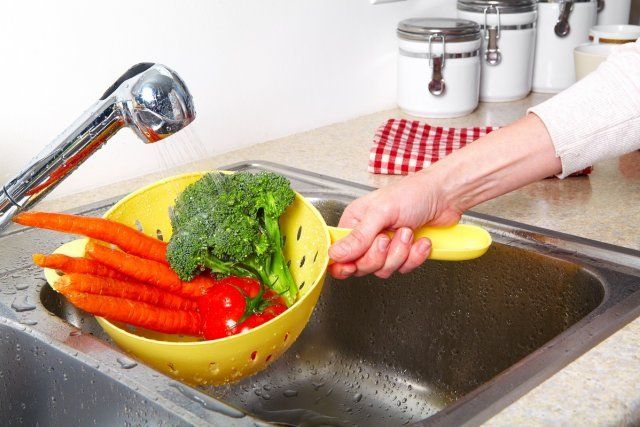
(589, 56)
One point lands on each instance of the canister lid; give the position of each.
(454, 30)
(506, 6)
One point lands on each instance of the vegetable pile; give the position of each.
(228, 223)
(223, 271)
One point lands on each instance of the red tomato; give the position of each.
(231, 298)
(251, 322)
(256, 320)
(250, 287)
(221, 308)
(275, 309)
(272, 296)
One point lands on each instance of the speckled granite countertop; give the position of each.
(600, 388)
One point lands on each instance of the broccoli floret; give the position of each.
(228, 223)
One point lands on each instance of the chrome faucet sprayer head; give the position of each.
(155, 101)
(149, 98)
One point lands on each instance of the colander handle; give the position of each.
(456, 243)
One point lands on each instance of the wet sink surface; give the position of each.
(449, 343)
(384, 352)
(48, 386)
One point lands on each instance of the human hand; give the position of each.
(497, 163)
(414, 201)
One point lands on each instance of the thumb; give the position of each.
(358, 242)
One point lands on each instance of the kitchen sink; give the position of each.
(42, 384)
(449, 344)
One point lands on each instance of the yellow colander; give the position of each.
(307, 240)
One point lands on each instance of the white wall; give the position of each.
(258, 70)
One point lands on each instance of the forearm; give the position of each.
(598, 117)
(504, 160)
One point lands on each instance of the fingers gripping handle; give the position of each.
(456, 243)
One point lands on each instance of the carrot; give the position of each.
(148, 271)
(85, 283)
(138, 313)
(69, 264)
(126, 238)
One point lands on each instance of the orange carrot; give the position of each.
(148, 271)
(138, 313)
(126, 238)
(69, 264)
(85, 283)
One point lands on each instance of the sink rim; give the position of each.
(604, 260)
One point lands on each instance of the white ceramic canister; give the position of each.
(438, 67)
(562, 25)
(509, 37)
(613, 12)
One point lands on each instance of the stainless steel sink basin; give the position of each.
(45, 385)
(451, 343)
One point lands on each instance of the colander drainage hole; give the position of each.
(254, 354)
(159, 235)
(299, 233)
(315, 257)
(284, 239)
(268, 358)
(139, 225)
(302, 285)
(286, 336)
(304, 257)
(289, 264)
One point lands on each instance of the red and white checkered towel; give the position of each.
(402, 146)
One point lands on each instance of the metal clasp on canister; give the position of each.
(437, 86)
(492, 34)
(562, 27)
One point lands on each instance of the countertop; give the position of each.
(602, 387)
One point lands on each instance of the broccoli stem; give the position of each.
(225, 268)
(249, 268)
(280, 278)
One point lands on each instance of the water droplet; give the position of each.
(290, 393)
(29, 322)
(22, 287)
(357, 398)
(208, 402)
(21, 304)
(126, 363)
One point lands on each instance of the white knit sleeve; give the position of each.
(599, 116)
